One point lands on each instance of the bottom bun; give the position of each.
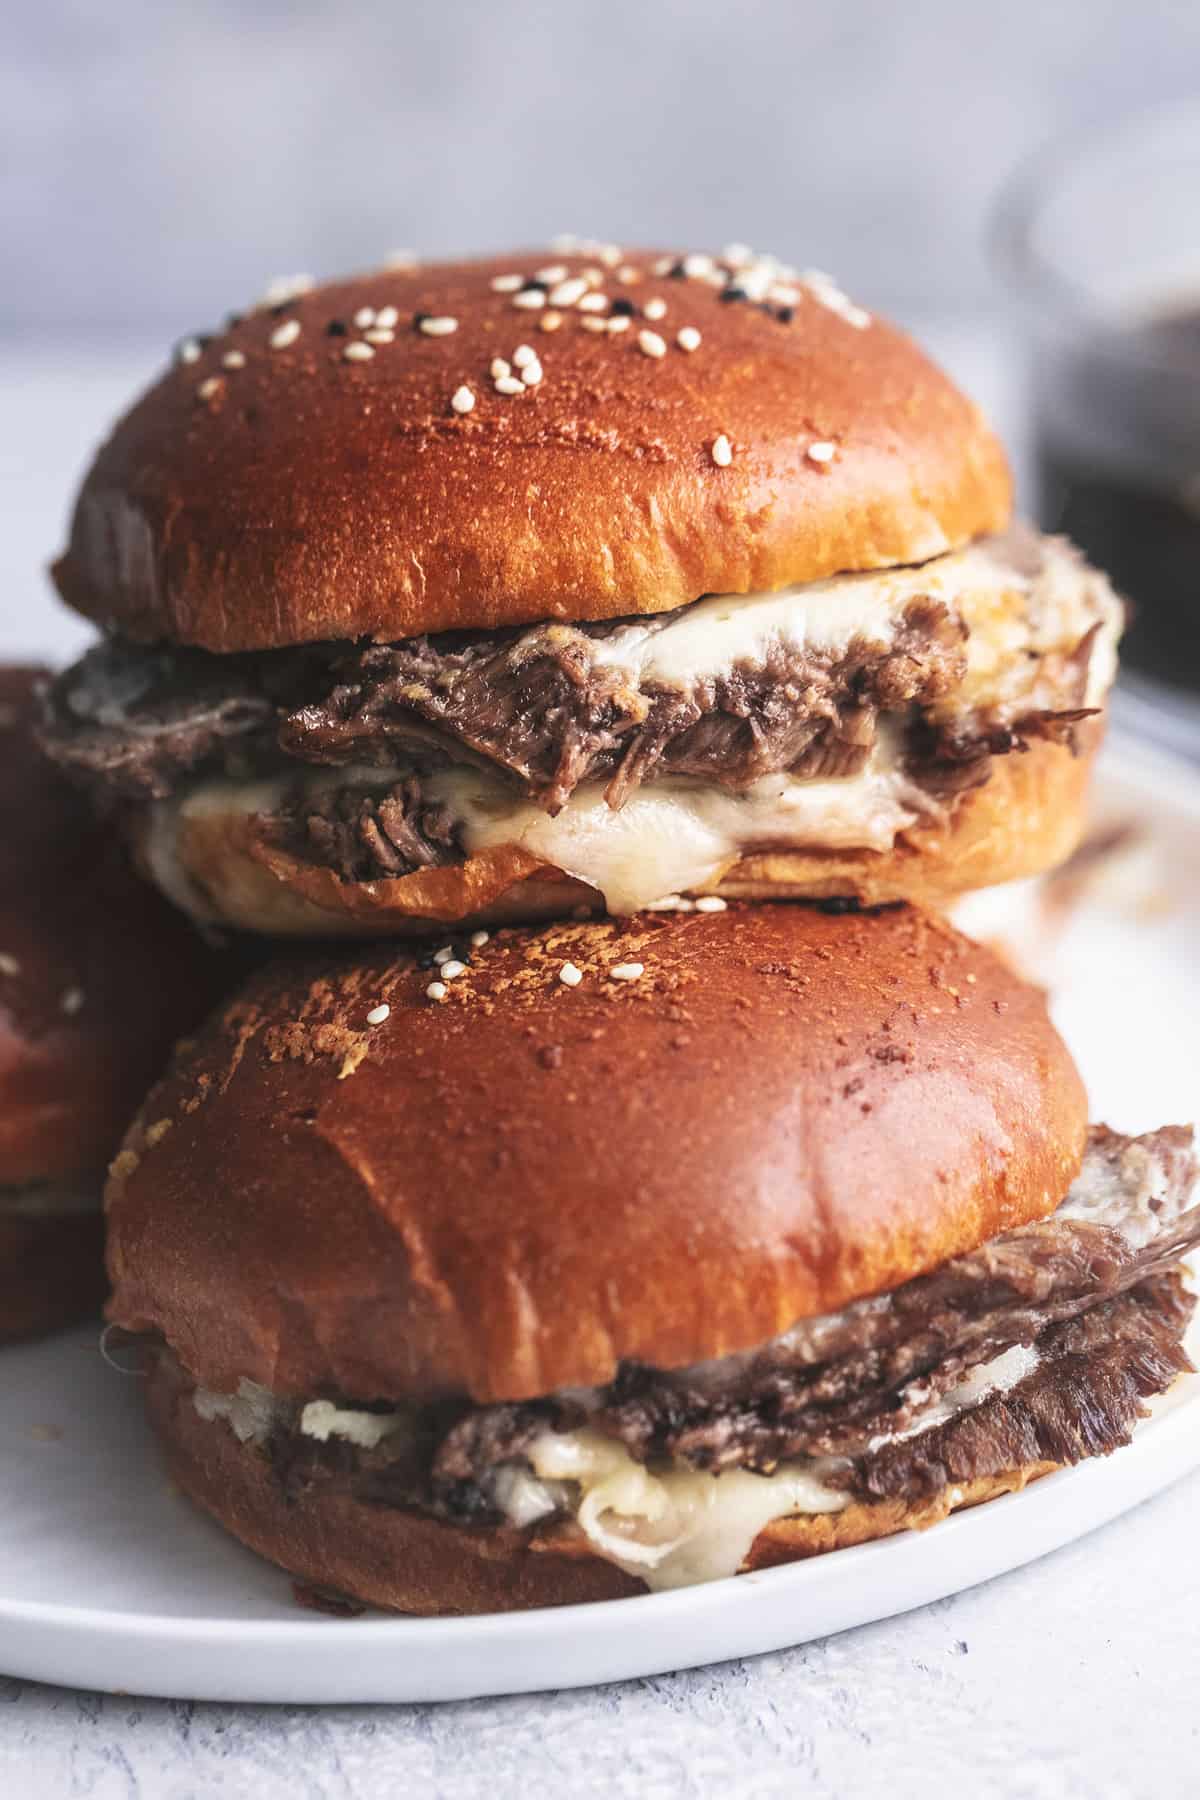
(1028, 817)
(51, 1272)
(410, 1562)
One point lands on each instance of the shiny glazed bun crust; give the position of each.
(303, 496)
(515, 1188)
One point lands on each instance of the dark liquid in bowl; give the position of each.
(1140, 523)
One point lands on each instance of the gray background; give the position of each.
(159, 161)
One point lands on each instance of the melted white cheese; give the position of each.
(322, 1420)
(250, 1413)
(990, 1378)
(1129, 1194)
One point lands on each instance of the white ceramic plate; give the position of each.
(110, 1580)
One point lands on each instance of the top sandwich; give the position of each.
(486, 590)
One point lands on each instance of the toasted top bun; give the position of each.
(513, 1189)
(301, 495)
(98, 975)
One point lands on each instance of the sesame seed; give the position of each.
(357, 352)
(439, 326)
(619, 322)
(737, 254)
(821, 453)
(531, 374)
(627, 273)
(722, 451)
(524, 353)
(550, 321)
(569, 975)
(233, 359)
(443, 955)
(670, 903)
(379, 1013)
(462, 399)
(663, 266)
(533, 299)
(286, 287)
(401, 259)
(566, 293)
(592, 303)
(499, 367)
(609, 255)
(509, 384)
(378, 336)
(507, 284)
(655, 309)
(208, 388)
(711, 903)
(388, 317)
(436, 990)
(650, 344)
(72, 1001)
(627, 972)
(556, 272)
(364, 316)
(688, 339)
(591, 323)
(623, 304)
(189, 351)
(697, 264)
(336, 328)
(479, 939)
(452, 969)
(9, 964)
(284, 334)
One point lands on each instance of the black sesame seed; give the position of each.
(785, 314)
(534, 286)
(281, 307)
(418, 320)
(335, 328)
(622, 307)
(425, 960)
(204, 339)
(678, 273)
(232, 319)
(734, 293)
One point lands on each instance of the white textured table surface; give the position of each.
(1078, 1676)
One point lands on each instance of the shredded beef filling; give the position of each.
(1097, 1295)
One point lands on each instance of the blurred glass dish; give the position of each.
(1099, 239)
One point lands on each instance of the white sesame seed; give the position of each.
(609, 255)
(618, 322)
(436, 990)
(593, 277)
(364, 316)
(440, 326)
(462, 399)
(688, 339)
(208, 388)
(479, 939)
(507, 284)
(531, 374)
(532, 299)
(569, 975)
(284, 334)
(821, 453)
(670, 903)
(378, 336)
(591, 323)
(499, 367)
(650, 344)
(189, 351)
(722, 451)
(233, 359)
(509, 384)
(696, 264)
(592, 303)
(737, 254)
(556, 272)
(358, 352)
(524, 353)
(627, 972)
(71, 1001)
(379, 1013)
(9, 964)
(388, 317)
(627, 273)
(452, 969)
(443, 955)
(566, 293)
(655, 309)
(286, 287)
(711, 903)
(550, 321)
(663, 266)
(401, 259)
